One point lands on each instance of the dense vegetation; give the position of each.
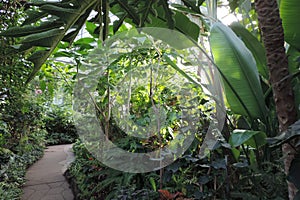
(43, 58)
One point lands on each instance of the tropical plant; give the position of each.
(244, 65)
(63, 20)
(277, 62)
(93, 180)
(60, 126)
(14, 164)
(280, 71)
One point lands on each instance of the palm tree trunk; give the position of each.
(273, 37)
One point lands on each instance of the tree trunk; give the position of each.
(273, 37)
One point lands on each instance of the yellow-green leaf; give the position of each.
(239, 72)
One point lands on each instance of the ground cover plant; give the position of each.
(22, 110)
(15, 161)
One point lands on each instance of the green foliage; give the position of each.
(215, 176)
(60, 20)
(254, 46)
(4, 133)
(255, 139)
(194, 177)
(13, 165)
(246, 169)
(20, 117)
(60, 126)
(95, 181)
(63, 20)
(153, 14)
(21, 133)
(289, 14)
(132, 193)
(182, 23)
(238, 70)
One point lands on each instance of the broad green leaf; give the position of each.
(290, 15)
(152, 182)
(44, 39)
(239, 73)
(254, 139)
(84, 41)
(29, 29)
(33, 16)
(69, 17)
(90, 27)
(256, 48)
(258, 140)
(182, 24)
(65, 14)
(236, 153)
(252, 158)
(35, 58)
(70, 37)
(176, 40)
(70, 13)
(294, 59)
(63, 54)
(186, 26)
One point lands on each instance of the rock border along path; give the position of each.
(45, 180)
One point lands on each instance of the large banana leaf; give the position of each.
(239, 72)
(61, 21)
(182, 23)
(154, 14)
(289, 13)
(256, 48)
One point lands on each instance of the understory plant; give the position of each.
(14, 163)
(60, 126)
(92, 180)
(21, 126)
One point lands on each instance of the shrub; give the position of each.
(60, 127)
(92, 180)
(13, 165)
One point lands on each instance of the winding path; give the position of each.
(45, 180)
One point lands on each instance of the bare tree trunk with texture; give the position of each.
(273, 37)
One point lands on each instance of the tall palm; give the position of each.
(273, 37)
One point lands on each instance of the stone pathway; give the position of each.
(45, 180)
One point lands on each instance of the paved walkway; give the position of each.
(45, 180)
